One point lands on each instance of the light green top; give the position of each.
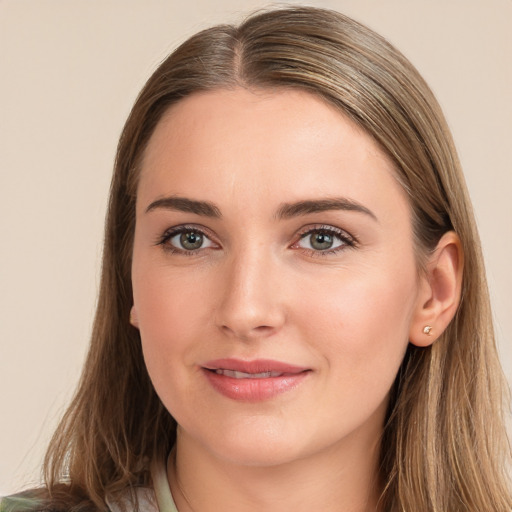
(158, 499)
(162, 490)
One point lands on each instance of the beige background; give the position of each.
(70, 71)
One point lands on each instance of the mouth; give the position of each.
(243, 375)
(253, 381)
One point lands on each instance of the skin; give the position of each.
(257, 288)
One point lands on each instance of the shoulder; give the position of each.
(23, 502)
(36, 500)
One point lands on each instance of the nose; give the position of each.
(251, 305)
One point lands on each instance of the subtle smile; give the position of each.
(244, 375)
(253, 381)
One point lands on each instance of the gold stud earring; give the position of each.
(427, 330)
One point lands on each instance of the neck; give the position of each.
(342, 477)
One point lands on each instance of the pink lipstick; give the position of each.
(253, 381)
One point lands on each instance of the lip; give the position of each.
(282, 377)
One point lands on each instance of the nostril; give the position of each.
(247, 334)
(249, 315)
(264, 328)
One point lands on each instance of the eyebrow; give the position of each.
(289, 210)
(285, 211)
(183, 204)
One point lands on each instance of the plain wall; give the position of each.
(70, 71)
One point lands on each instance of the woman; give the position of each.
(293, 311)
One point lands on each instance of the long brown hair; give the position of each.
(444, 446)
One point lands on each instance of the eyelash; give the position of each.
(178, 230)
(347, 240)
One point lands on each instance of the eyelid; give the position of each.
(183, 228)
(349, 241)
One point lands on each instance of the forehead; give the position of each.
(226, 143)
(246, 113)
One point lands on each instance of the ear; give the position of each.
(439, 292)
(134, 319)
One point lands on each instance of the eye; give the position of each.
(185, 240)
(324, 239)
(188, 240)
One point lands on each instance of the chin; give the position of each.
(251, 441)
(261, 455)
(265, 442)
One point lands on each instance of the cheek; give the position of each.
(174, 310)
(168, 300)
(360, 324)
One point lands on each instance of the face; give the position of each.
(274, 275)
